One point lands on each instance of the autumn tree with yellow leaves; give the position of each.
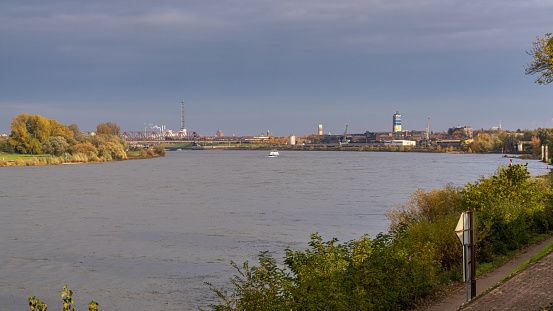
(542, 52)
(29, 132)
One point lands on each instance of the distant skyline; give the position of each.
(245, 66)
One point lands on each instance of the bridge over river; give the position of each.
(183, 136)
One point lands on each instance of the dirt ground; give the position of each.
(530, 289)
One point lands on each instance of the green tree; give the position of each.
(266, 287)
(510, 205)
(510, 141)
(55, 145)
(542, 53)
(6, 147)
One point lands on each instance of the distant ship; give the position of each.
(273, 153)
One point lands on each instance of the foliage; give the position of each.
(362, 274)
(75, 129)
(85, 148)
(510, 206)
(108, 128)
(543, 136)
(258, 288)
(30, 131)
(429, 217)
(108, 147)
(55, 145)
(143, 153)
(67, 295)
(36, 305)
(6, 147)
(111, 151)
(483, 143)
(159, 150)
(67, 299)
(542, 53)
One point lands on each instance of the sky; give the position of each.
(251, 66)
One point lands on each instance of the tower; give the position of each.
(182, 127)
(397, 122)
(320, 129)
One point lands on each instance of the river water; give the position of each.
(146, 234)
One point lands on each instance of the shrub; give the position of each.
(19, 162)
(32, 162)
(159, 150)
(266, 287)
(67, 299)
(78, 157)
(143, 153)
(362, 274)
(111, 151)
(85, 148)
(511, 207)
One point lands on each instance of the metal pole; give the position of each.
(472, 255)
(466, 270)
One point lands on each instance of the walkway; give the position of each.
(533, 286)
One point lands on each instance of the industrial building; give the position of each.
(397, 137)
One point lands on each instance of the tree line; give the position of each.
(34, 135)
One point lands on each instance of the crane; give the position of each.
(345, 139)
(427, 131)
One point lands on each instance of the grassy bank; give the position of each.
(24, 157)
(15, 159)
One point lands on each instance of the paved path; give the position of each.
(542, 274)
(529, 289)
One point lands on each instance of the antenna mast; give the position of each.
(182, 127)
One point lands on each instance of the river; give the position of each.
(146, 234)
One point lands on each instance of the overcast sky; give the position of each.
(248, 66)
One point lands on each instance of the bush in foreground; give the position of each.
(67, 299)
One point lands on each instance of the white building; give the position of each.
(403, 143)
(292, 140)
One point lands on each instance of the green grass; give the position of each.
(532, 259)
(498, 261)
(14, 156)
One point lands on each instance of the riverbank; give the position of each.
(34, 160)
